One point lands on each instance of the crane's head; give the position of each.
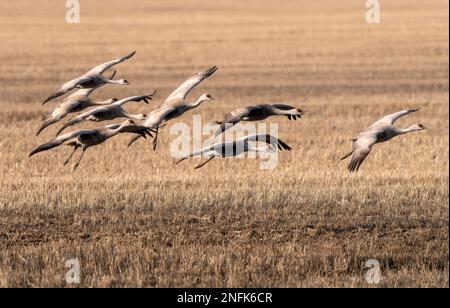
(123, 82)
(206, 97)
(128, 122)
(416, 127)
(141, 116)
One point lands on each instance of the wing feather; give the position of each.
(391, 118)
(231, 119)
(361, 149)
(100, 69)
(269, 139)
(82, 117)
(60, 140)
(68, 86)
(183, 90)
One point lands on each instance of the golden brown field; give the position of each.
(134, 219)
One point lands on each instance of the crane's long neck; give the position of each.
(82, 92)
(196, 103)
(111, 81)
(133, 116)
(402, 131)
(102, 103)
(285, 112)
(111, 132)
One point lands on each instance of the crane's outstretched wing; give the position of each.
(156, 120)
(183, 90)
(95, 111)
(60, 140)
(289, 107)
(391, 118)
(88, 91)
(361, 148)
(100, 69)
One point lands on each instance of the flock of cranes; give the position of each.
(174, 106)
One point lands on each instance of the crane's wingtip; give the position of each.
(211, 71)
(130, 143)
(51, 97)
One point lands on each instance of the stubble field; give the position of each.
(133, 218)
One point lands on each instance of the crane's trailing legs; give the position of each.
(79, 160)
(75, 148)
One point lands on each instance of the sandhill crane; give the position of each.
(86, 138)
(257, 113)
(236, 147)
(381, 131)
(109, 112)
(91, 79)
(175, 104)
(76, 102)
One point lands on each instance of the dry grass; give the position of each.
(135, 219)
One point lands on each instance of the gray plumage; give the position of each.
(380, 131)
(176, 104)
(92, 78)
(86, 138)
(109, 112)
(236, 147)
(76, 102)
(257, 113)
